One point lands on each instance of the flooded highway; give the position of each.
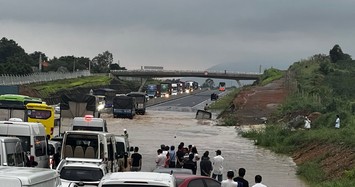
(149, 131)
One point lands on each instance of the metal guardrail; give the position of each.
(40, 77)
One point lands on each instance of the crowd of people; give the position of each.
(187, 157)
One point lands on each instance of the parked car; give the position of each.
(183, 180)
(81, 171)
(135, 179)
(214, 96)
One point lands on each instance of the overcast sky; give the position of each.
(182, 34)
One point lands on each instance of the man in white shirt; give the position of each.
(160, 159)
(217, 166)
(258, 179)
(229, 182)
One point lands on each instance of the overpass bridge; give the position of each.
(186, 73)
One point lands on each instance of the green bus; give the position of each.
(14, 101)
(14, 106)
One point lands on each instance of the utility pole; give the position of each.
(89, 66)
(40, 63)
(74, 65)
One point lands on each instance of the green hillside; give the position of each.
(321, 85)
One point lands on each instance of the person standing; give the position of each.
(337, 122)
(126, 162)
(180, 156)
(195, 158)
(160, 159)
(229, 181)
(189, 164)
(218, 166)
(307, 123)
(172, 154)
(206, 165)
(136, 160)
(258, 180)
(240, 179)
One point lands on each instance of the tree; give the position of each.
(209, 83)
(116, 67)
(337, 54)
(14, 59)
(101, 63)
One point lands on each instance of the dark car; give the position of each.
(214, 96)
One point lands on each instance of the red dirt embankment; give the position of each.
(255, 104)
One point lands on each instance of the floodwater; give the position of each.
(158, 127)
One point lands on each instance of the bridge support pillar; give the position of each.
(239, 84)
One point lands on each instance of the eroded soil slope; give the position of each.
(255, 104)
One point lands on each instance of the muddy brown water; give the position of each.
(158, 127)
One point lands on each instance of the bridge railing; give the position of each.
(40, 77)
(190, 71)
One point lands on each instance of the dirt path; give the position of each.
(255, 104)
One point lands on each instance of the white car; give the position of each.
(134, 179)
(81, 171)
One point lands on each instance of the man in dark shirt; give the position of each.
(240, 179)
(180, 157)
(136, 160)
(190, 164)
(206, 165)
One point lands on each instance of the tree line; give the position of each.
(15, 61)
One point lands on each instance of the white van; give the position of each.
(28, 177)
(33, 139)
(89, 123)
(11, 153)
(91, 144)
(134, 179)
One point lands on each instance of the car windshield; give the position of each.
(81, 174)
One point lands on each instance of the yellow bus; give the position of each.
(41, 113)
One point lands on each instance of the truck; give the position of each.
(175, 88)
(141, 101)
(165, 89)
(190, 86)
(222, 86)
(152, 90)
(77, 105)
(124, 106)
